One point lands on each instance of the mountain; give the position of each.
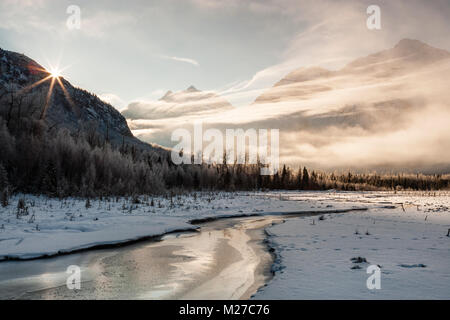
(174, 104)
(406, 57)
(389, 109)
(406, 54)
(67, 107)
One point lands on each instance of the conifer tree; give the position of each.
(49, 181)
(4, 183)
(305, 179)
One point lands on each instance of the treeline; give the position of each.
(314, 180)
(41, 160)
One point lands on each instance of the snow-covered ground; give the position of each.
(404, 233)
(409, 243)
(50, 226)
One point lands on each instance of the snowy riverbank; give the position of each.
(409, 242)
(406, 234)
(51, 226)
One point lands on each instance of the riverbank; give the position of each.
(225, 259)
(328, 258)
(405, 234)
(50, 227)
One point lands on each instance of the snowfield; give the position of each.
(50, 226)
(404, 233)
(409, 243)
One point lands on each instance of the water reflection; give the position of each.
(226, 259)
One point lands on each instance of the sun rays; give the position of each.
(54, 75)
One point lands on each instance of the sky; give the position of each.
(136, 50)
(131, 52)
(139, 49)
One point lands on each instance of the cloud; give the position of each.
(47, 16)
(179, 104)
(102, 23)
(113, 100)
(25, 16)
(334, 33)
(186, 60)
(380, 115)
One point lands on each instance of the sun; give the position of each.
(55, 73)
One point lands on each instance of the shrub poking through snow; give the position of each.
(419, 265)
(135, 200)
(32, 218)
(22, 209)
(358, 260)
(21, 204)
(88, 203)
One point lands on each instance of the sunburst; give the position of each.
(54, 74)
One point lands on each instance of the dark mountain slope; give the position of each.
(24, 92)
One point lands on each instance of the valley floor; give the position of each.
(404, 233)
(51, 226)
(409, 243)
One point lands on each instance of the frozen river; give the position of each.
(225, 259)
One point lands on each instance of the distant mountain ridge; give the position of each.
(406, 56)
(173, 104)
(386, 110)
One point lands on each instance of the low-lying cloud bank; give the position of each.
(188, 102)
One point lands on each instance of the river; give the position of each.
(225, 259)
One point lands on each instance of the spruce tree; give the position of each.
(4, 183)
(4, 198)
(299, 178)
(49, 181)
(305, 179)
(284, 175)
